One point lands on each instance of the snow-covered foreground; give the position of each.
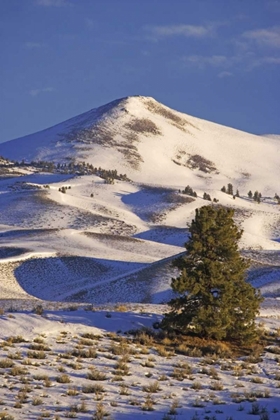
(111, 244)
(103, 243)
(76, 363)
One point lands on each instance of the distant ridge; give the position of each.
(152, 143)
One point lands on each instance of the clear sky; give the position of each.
(215, 59)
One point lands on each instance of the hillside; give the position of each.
(85, 257)
(68, 236)
(153, 143)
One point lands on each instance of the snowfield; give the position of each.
(77, 362)
(112, 245)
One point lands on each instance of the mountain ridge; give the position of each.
(66, 231)
(153, 143)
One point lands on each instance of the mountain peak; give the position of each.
(151, 142)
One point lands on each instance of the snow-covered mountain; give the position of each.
(153, 143)
(70, 237)
(82, 242)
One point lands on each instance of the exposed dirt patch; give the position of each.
(200, 163)
(143, 126)
(177, 121)
(131, 154)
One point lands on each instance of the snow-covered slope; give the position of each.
(100, 242)
(153, 143)
(79, 363)
(105, 243)
(68, 238)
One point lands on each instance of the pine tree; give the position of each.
(230, 189)
(250, 194)
(257, 197)
(223, 189)
(206, 196)
(214, 300)
(189, 191)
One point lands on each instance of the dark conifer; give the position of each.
(206, 196)
(214, 299)
(230, 189)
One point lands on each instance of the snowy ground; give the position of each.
(74, 362)
(112, 245)
(103, 243)
(116, 247)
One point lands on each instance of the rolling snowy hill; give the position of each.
(100, 242)
(153, 143)
(94, 254)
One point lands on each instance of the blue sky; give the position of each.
(215, 59)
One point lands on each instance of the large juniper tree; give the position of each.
(214, 299)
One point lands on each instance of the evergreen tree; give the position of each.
(250, 194)
(189, 191)
(206, 196)
(223, 189)
(237, 193)
(230, 189)
(213, 300)
(257, 197)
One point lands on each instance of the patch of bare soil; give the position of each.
(200, 163)
(168, 114)
(143, 126)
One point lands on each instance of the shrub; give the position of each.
(63, 379)
(17, 339)
(38, 347)
(18, 370)
(93, 389)
(36, 354)
(95, 375)
(173, 407)
(6, 363)
(255, 409)
(148, 404)
(216, 386)
(37, 401)
(100, 412)
(152, 388)
(89, 353)
(90, 335)
(196, 385)
(72, 392)
(124, 390)
(121, 368)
